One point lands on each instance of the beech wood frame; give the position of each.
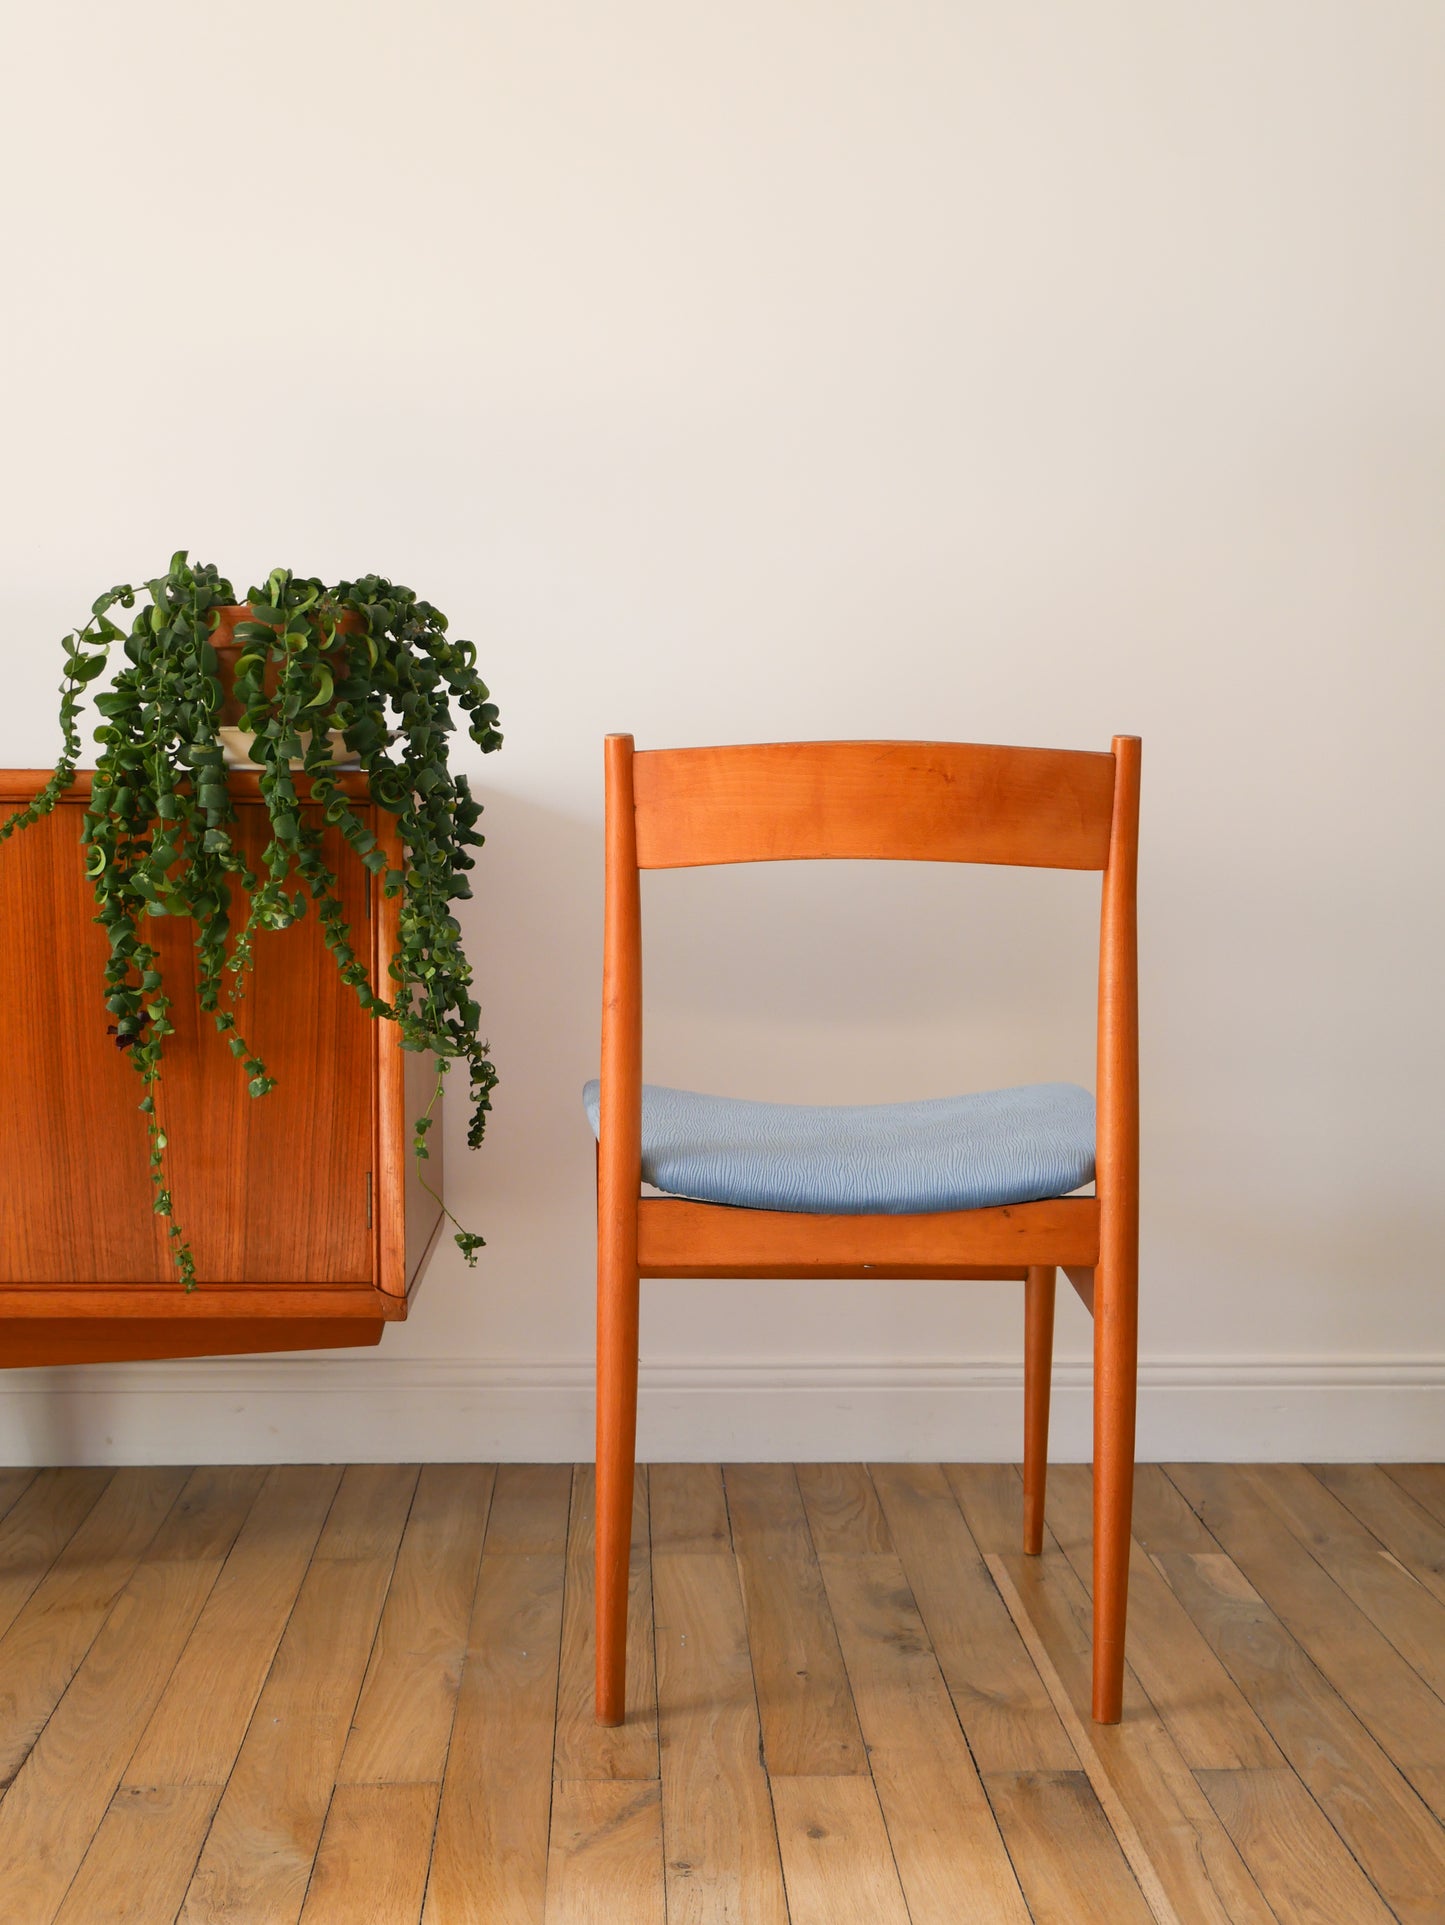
(893, 801)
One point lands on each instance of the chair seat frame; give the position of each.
(898, 801)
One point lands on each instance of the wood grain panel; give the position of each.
(19, 786)
(1424, 1482)
(30, 1342)
(259, 1850)
(717, 1816)
(75, 1198)
(1404, 1528)
(999, 1696)
(1179, 1851)
(61, 1792)
(907, 801)
(605, 1862)
(1299, 1862)
(223, 1303)
(1395, 1838)
(225, 1662)
(74, 1191)
(489, 1860)
(1370, 1675)
(403, 1720)
(844, 1515)
(951, 1862)
(143, 1856)
(1072, 1869)
(1207, 1715)
(836, 1857)
(681, 1239)
(810, 1728)
(372, 1859)
(44, 1646)
(424, 1220)
(585, 1749)
(409, 1216)
(688, 1509)
(38, 1526)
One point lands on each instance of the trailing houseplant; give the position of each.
(306, 668)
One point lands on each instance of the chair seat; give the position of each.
(867, 1159)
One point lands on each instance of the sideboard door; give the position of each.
(275, 1189)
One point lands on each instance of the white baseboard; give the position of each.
(349, 1408)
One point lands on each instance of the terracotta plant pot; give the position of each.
(237, 741)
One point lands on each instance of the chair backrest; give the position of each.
(901, 801)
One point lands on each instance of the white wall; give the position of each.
(1018, 372)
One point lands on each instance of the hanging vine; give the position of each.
(365, 660)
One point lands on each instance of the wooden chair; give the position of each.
(936, 802)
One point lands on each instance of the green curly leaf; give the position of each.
(382, 667)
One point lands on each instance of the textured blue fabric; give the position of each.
(862, 1159)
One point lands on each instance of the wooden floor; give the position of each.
(365, 1697)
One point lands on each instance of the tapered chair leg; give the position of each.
(1116, 1365)
(617, 1308)
(1038, 1372)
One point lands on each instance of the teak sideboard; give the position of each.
(303, 1207)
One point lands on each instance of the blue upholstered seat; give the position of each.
(860, 1159)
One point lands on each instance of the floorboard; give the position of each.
(316, 1696)
(586, 1750)
(372, 1859)
(55, 1627)
(36, 1528)
(1300, 1862)
(1425, 1483)
(153, 1832)
(605, 1858)
(1395, 1838)
(61, 1792)
(403, 1721)
(1001, 1702)
(810, 1728)
(257, 1857)
(1404, 1529)
(1180, 1854)
(1073, 1869)
(1385, 1692)
(952, 1864)
(1399, 1606)
(14, 1482)
(837, 1859)
(1206, 1713)
(489, 1861)
(719, 1837)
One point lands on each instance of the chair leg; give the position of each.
(1038, 1372)
(617, 1313)
(1116, 1369)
